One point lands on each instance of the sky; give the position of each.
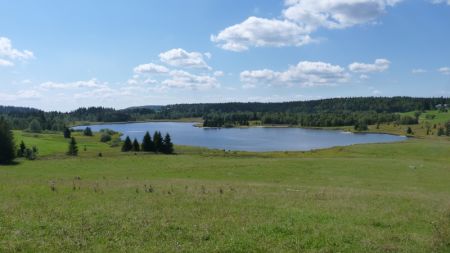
(61, 55)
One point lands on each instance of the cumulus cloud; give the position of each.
(7, 51)
(150, 68)
(305, 73)
(179, 57)
(336, 14)
(261, 32)
(299, 19)
(186, 80)
(93, 83)
(5, 63)
(379, 65)
(444, 70)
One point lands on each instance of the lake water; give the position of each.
(247, 139)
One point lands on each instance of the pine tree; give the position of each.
(87, 131)
(22, 149)
(147, 143)
(67, 133)
(158, 141)
(167, 145)
(73, 148)
(136, 147)
(127, 145)
(7, 148)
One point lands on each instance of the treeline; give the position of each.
(331, 105)
(324, 112)
(321, 119)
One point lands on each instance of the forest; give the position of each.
(314, 113)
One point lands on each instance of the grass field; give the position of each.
(363, 198)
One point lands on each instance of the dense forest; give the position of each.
(324, 112)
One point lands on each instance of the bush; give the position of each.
(105, 137)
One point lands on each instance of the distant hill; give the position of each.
(150, 107)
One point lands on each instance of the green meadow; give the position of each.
(364, 198)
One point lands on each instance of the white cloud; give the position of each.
(5, 63)
(150, 68)
(440, 1)
(444, 70)
(380, 65)
(7, 50)
(218, 73)
(418, 71)
(20, 95)
(364, 77)
(186, 80)
(305, 73)
(336, 14)
(179, 57)
(299, 19)
(93, 83)
(261, 32)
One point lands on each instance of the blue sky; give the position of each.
(63, 55)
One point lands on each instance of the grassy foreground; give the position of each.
(363, 198)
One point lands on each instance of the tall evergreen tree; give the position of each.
(67, 133)
(136, 147)
(167, 145)
(147, 143)
(73, 148)
(158, 141)
(22, 149)
(127, 145)
(87, 131)
(7, 148)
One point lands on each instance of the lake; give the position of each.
(247, 139)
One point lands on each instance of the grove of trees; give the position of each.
(157, 145)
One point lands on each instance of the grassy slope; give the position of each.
(363, 198)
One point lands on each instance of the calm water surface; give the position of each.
(247, 139)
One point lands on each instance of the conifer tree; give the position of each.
(73, 148)
(127, 145)
(136, 147)
(87, 131)
(21, 150)
(67, 133)
(147, 143)
(167, 145)
(158, 141)
(7, 148)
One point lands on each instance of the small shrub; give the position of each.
(105, 137)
